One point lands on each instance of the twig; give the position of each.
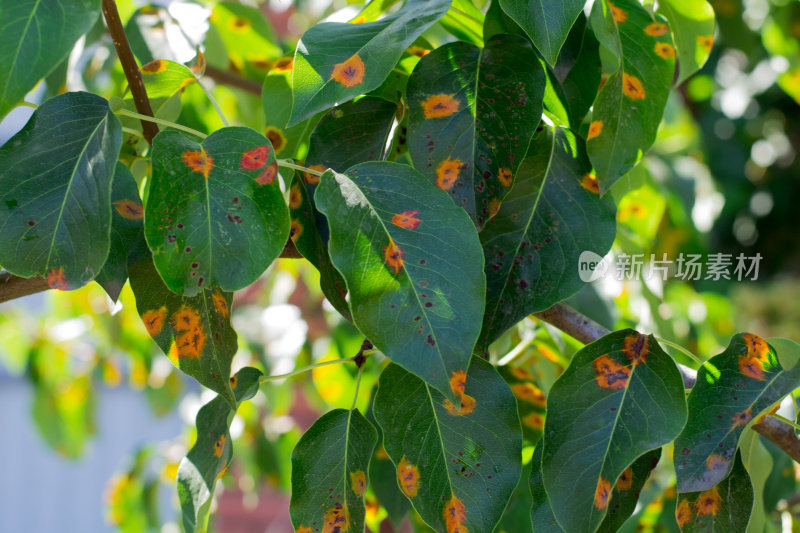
(130, 67)
(167, 123)
(12, 286)
(229, 78)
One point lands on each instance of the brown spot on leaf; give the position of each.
(406, 219)
(602, 494)
(708, 503)
(636, 348)
(455, 515)
(57, 279)
(350, 72)
(609, 374)
(154, 320)
(198, 161)
(129, 209)
(625, 479)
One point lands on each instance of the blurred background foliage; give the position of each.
(721, 178)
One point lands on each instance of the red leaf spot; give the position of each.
(255, 158)
(57, 279)
(198, 161)
(393, 256)
(267, 176)
(406, 219)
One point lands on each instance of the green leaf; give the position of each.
(724, 508)
(215, 215)
(581, 83)
(164, 78)
(210, 457)
(464, 21)
(624, 396)
(692, 24)
(329, 473)
(544, 521)
(532, 246)
(547, 22)
(276, 100)
(732, 389)
(247, 36)
(472, 112)
(531, 401)
(35, 37)
(759, 465)
(517, 516)
(55, 191)
(412, 263)
(457, 465)
(625, 494)
(126, 229)
(194, 332)
(628, 109)
(362, 57)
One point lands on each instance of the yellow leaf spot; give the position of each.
(350, 72)
(455, 516)
(418, 51)
(154, 320)
(393, 256)
(276, 137)
(632, 87)
(706, 42)
(154, 67)
(447, 173)
(185, 319)
(295, 197)
(239, 24)
(57, 279)
(358, 482)
(618, 14)
(625, 479)
(284, 64)
(602, 494)
(440, 105)
(303, 529)
(220, 304)
(520, 373)
(505, 176)
(534, 420)
(467, 406)
(336, 519)
(590, 183)
(313, 179)
(665, 50)
(408, 476)
(683, 514)
(595, 128)
(129, 209)
(219, 446)
(708, 503)
(530, 393)
(609, 374)
(656, 29)
(494, 207)
(296, 229)
(359, 20)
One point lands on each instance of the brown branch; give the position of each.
(12, 286)
(587, 330)
(234, 80)
(130, 67)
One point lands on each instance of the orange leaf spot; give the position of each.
(358, 482)
(185, 319)
(154, 67)
(706, 42)
(418, 51)
(716, 462)
(219, 446)
(590, 183)
(636, 348)
(458, 381)
(282, 65)
(57, 279)
(255, 158)
(467, 406)
(313, 179)
(154, 320)
(220, 304)
(190, 343)
(534, 420)
(406, 219)
(455, 515)
(295, 197)
(336, 519)
(625, 479)
(708, 503)
(742, 418)
(276, 137)
(393, 256)
(380, 453)
(303, 529)
(440, 105)
(595, 128)
(408, 476)
(129, 209)
(234, 379)
(505, 176)
(655, 29)
(267, 176)
(632, 87)
(530, 393)
(609, 374)
(494, 207)
(665, 50)
(359, 20)
(199, 161)
(447, 173)
(224, 471)
(350, 72)
(618, 14)
(756, 347)
(520, 373)
(296, 229)
(602, 493)
(683, 514)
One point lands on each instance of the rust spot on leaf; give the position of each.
(336, 519)
(530, 393)
(418, 51)
(447, 173)
(408, 476)
(406, 219)
(534, 420)
(625, 479)
(440, 105)
(617, 14)
(754, 362)
(219, 446)
(198, 161)
(664, 50)
(129, 209)
(313, 179)
(295, 197)
(220, 304)
(154, 67)
(656, 28)
(234, 379)
(742, 418)
(296, 229)
(154, 320)
(239, 24)
(632, 87)
(609, 374)
(185, 318)
(635, 347)
(350, 72)
(708, 503)
(267, 176)
(590, 183)
(192, 336)
(455, 515)
(458, 381)
(284, 64)
(57, 279)
(303, 529)
(255, 158)
(706, 42)
(358, 482)
(467, 406)
(520, 373)
(276, 138)
(683, 514)
(505, 176)
(393, 256)
(595, 128)
(602, 493)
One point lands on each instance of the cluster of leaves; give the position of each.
(444, 194)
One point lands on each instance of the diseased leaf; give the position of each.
(247, 36)
(547, 22)
(457, 463)
(581, 84)
(362, 57)
(532, 246)
(627, 110)
(55, 191)
(692, 24)
(723, 508)
(35, 37)
(126, 230)
(625, 494)
(164, 78)
(464, 21)
(531, 401)
(329, 473)
(472, 112)
(732, 389)
(212, 452)
(624, 396)
(194, 332)
(215, 215)
(412, 263)
(276, 99)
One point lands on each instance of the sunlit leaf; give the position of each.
(692, 24)
(248, 37)
(164, 78)
(329, 472)
(472, 113)
(412, 263)
(276, 99)
(457, 463)
(547, 22)
(55, 191)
